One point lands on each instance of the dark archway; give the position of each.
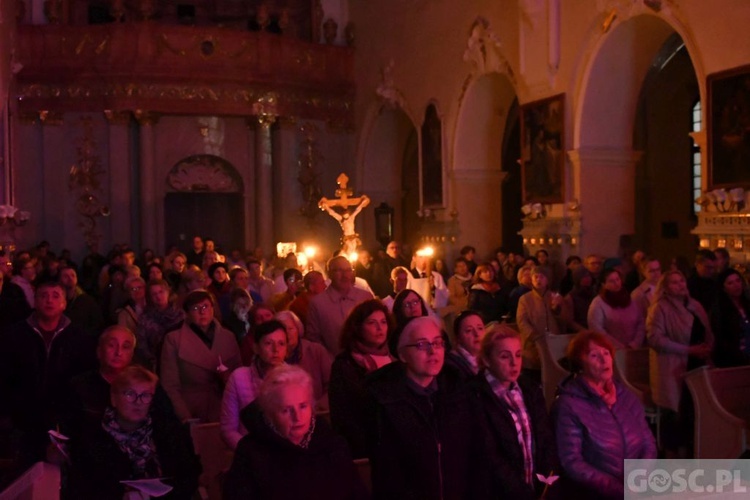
(205, 197)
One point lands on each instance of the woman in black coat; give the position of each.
(425, 442)
(287, 453)
(498, 412)
(131, 443)
(730, 321)
(364, 340)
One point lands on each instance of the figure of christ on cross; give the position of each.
(351, 208)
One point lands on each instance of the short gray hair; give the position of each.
(277, 380)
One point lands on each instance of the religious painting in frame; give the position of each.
(542, 153)
(728, 122)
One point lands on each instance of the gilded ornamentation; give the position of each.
(85, 183)
(207, 173)
(51, 117)
(117, 117)
(266, 109)
(145, 117)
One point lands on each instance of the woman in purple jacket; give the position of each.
(598, 422)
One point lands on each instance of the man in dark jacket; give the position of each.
(39, 357)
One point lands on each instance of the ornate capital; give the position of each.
(266, 109)
(146, 117)
(117, 117)
(266, 121)
(48, 117)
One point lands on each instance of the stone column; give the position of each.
(604, 185)
(264, 183)
(147, 170)
(58, 216)
(120, 177)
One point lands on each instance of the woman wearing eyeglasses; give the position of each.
(425, 442)
(135, 289)
(132, 442)
(197, 359)
(408, 304)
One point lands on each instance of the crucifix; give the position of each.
(350, 208)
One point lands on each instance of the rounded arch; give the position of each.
(602, 78)
(204, 173)
(606, 103)
(388, 166)
(478, 167)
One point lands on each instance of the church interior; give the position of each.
(596, 126)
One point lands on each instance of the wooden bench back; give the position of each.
(732, 389)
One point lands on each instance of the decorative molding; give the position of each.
(532, 11)
(204, 173)
(478, 174)
(146, 117)
(85, 184)
(48, 117)
(387, 90)
(601, 156)
(332, 106)
(118, 117)
(484, 51)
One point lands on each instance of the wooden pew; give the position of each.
(40, 482)
(215, 456)
(722, 410)
(632, 369)
(551, 349)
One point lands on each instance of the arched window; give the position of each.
(696, 155)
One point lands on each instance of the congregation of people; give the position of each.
(433, 377)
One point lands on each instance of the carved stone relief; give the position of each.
(204, 173)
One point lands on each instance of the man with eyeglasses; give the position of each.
(328, 310)
(37, 361)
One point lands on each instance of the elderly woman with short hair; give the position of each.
(197, 359)
(270, 345)
(598, 422)
(288, 454)
(426, 442)
(132, 442)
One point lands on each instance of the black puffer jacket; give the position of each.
(593, 440)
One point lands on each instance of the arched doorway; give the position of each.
(483, 157)
(665, 177)
(607, 154)
(204, 198)
(390, 171)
